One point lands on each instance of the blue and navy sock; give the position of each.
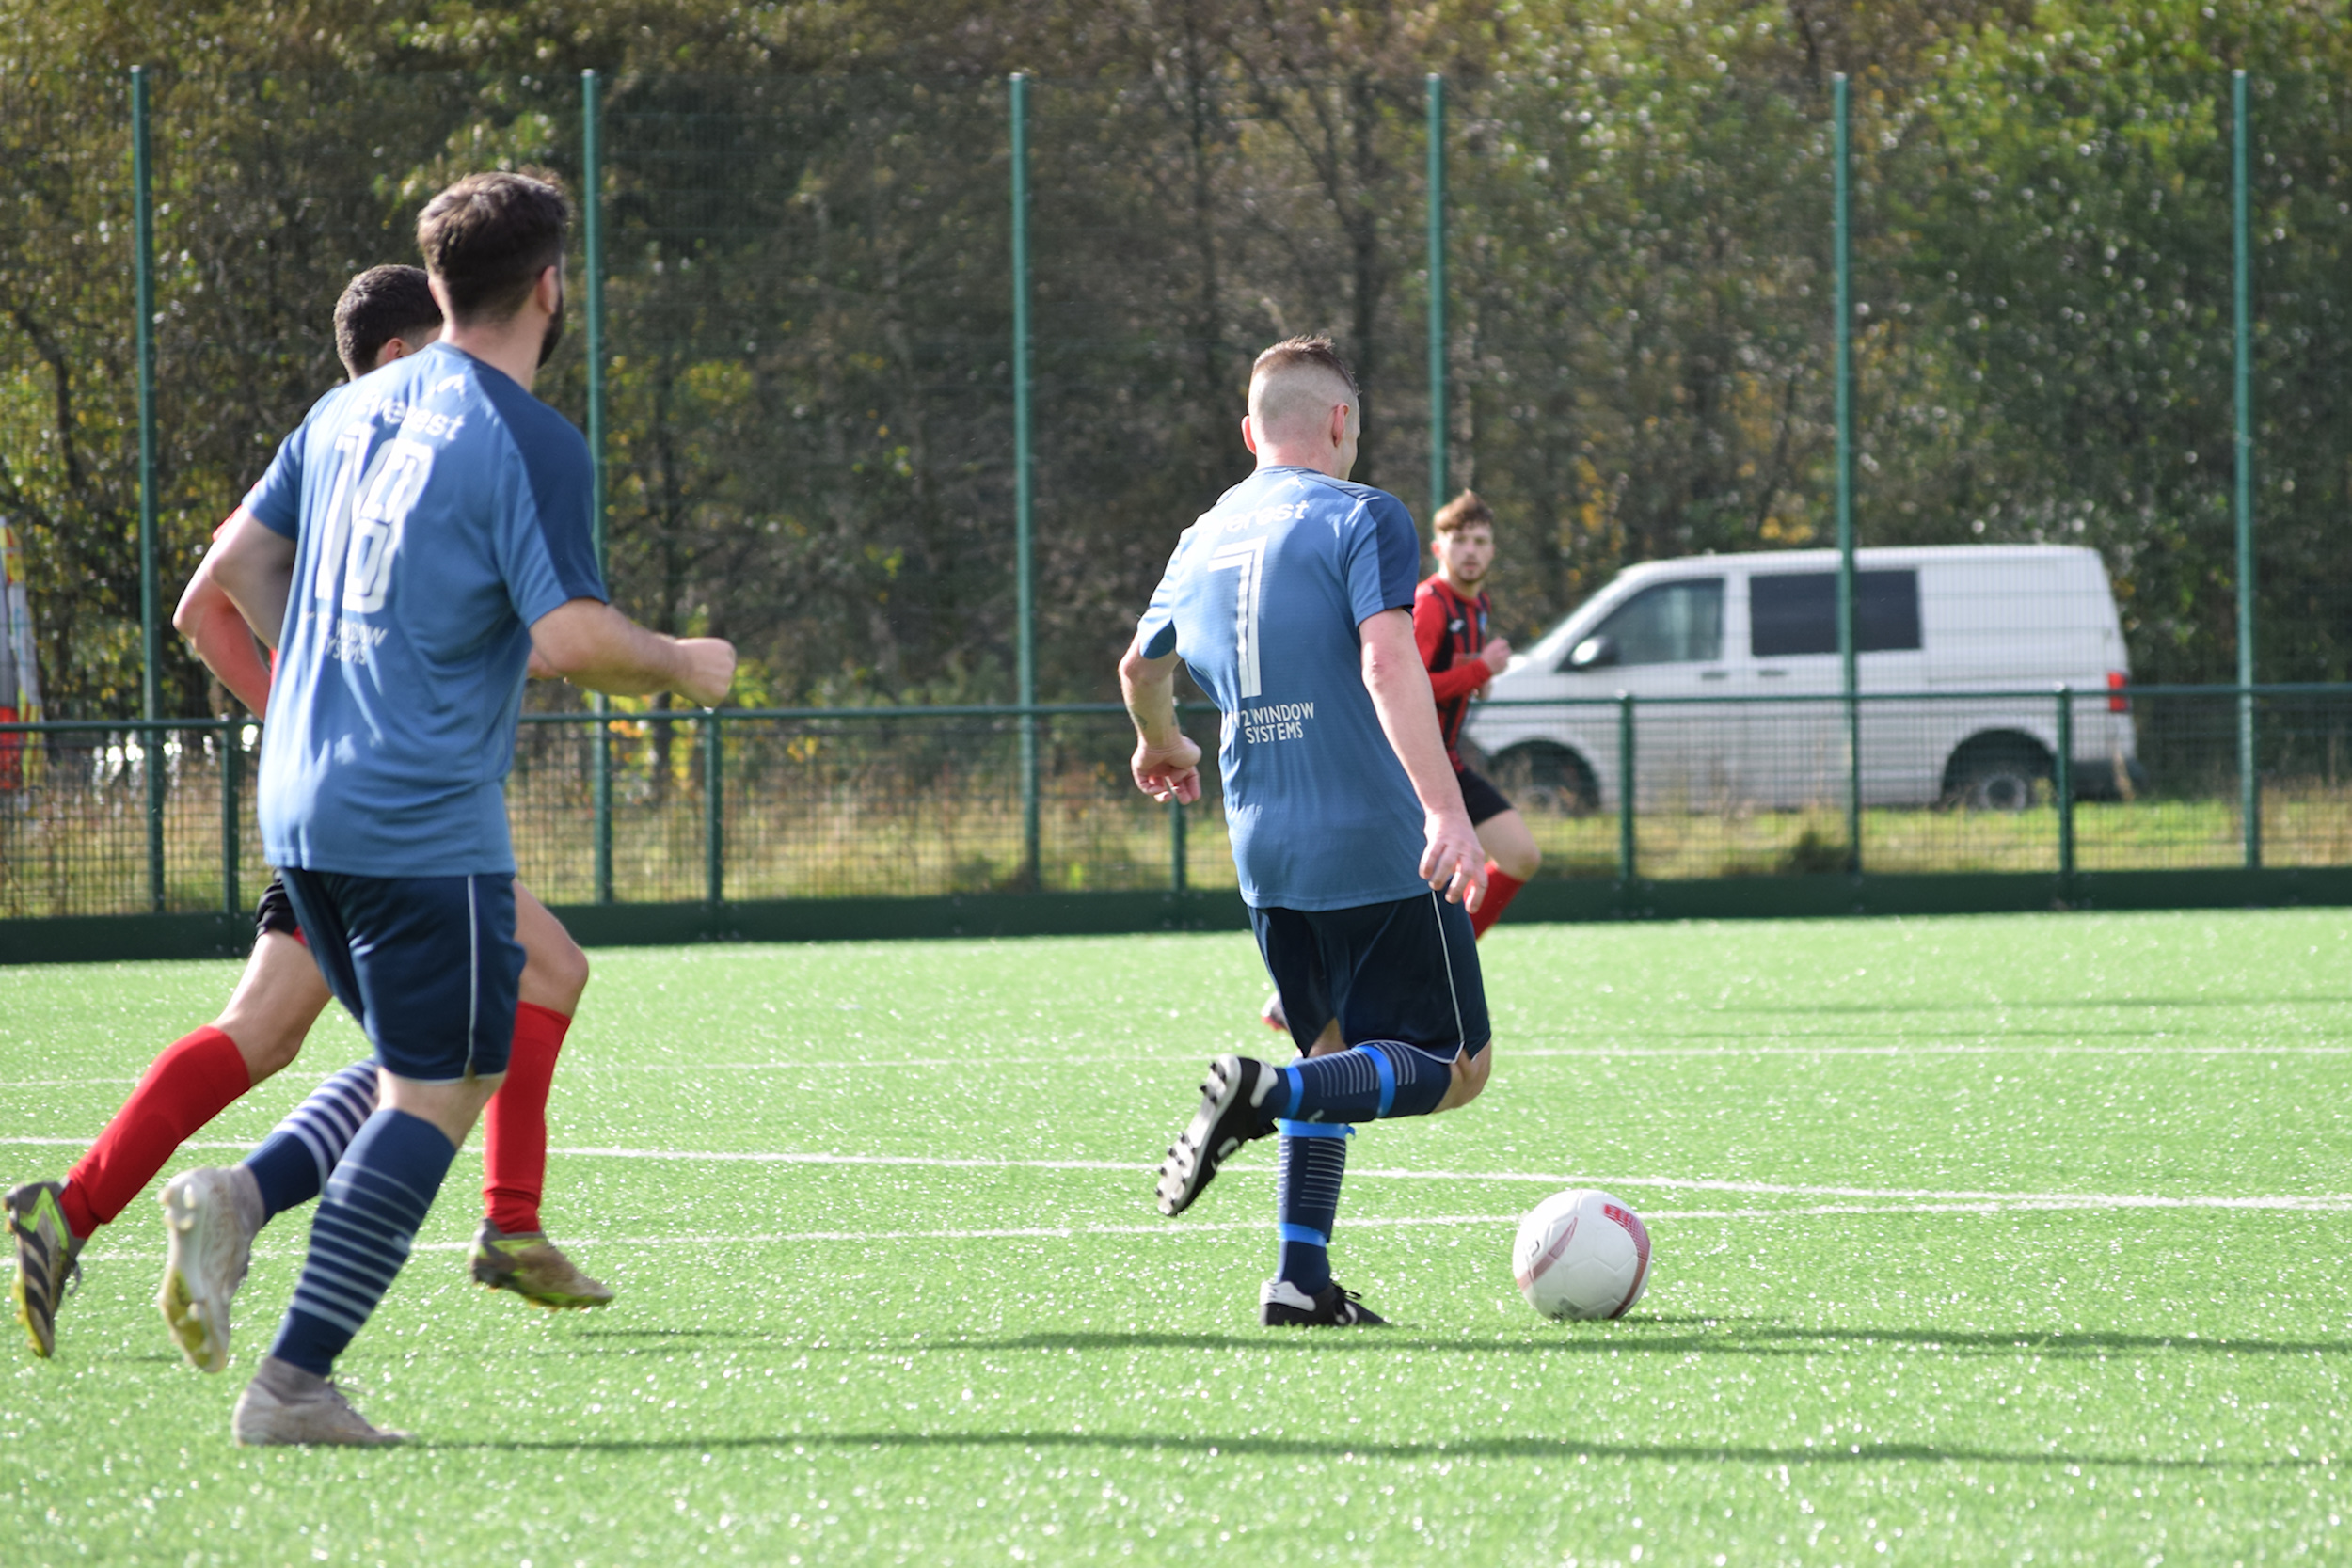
(1306, 1201)
(291, 1165)
(1370, 1081)
(367, 1219)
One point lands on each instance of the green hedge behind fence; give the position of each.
(808, 364)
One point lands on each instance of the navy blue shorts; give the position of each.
(428, 965)
(1407, 970)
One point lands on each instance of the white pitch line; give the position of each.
(2305, 1201)
(1178, 1230)
(1555, 1178)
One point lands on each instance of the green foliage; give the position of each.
(809, 295)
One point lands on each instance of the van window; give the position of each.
(1796, 613)
(1673, 623)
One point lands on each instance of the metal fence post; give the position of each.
(232, 760)
(1842, 239)
(151, 632)
(2242, 310)
(1024, 499)
(1626, 865)
(1176, 844)
(714, 821)
(2062, 785)
(591, 262)
(1438, 413)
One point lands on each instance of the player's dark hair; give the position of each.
(489, 237)
(1294, 352)
(1463, 511)
(379, 305)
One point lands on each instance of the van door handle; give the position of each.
(1771, 672)
(1714, 674)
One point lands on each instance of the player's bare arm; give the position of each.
(208, 619)
(1399, 684)
(254, 566)
(590, 643)
(1166, 763)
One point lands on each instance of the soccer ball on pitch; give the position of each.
(1582, 1254)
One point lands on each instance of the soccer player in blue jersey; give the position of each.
(213, 1215)
(421, 534)
(1291, 601)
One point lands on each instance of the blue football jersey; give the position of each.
(437, 510)
(1262, 598)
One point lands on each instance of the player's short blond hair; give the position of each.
(1292, 380)
(1301, 353)
(1463, 511)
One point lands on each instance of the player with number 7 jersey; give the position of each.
(1263, 596)
(1290, 601)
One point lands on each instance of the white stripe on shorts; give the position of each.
(1461, 1035)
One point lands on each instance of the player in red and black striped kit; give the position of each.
(1450, 624)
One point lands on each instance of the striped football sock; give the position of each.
(1306, 1201)
(367, 1219)
(1372, 1080)
(291, 1165)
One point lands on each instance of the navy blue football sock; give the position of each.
(367, 1219)
(1306, 1201)
(291, 1165)
(1370, 1081)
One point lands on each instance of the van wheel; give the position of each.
(1997, 772)
(1543, 777)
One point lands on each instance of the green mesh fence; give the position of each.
(809, 401)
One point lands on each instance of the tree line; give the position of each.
(808, 292)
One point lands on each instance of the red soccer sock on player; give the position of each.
(514, 1128)
(1501, 890)
(189, 1084)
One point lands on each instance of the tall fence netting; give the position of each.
(809, 405)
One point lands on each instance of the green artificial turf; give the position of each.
(1917, 1293)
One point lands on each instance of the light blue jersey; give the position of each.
(1262, 598)
(437, 511)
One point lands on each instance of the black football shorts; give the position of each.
(1482, 798)
(1407, 970)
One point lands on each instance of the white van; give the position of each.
(2026, 618)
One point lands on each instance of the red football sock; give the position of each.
(514, 1128)
(1501, 890)
(189, 1084)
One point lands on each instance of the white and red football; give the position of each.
(1582, 1254)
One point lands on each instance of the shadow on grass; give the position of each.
(1729, 1338)
(1638, 1335)
(1561, 1450)
(1985, 1039)
(659, 1335)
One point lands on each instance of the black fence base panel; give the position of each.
(95, 939)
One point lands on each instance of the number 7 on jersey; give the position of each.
(1249, 598)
